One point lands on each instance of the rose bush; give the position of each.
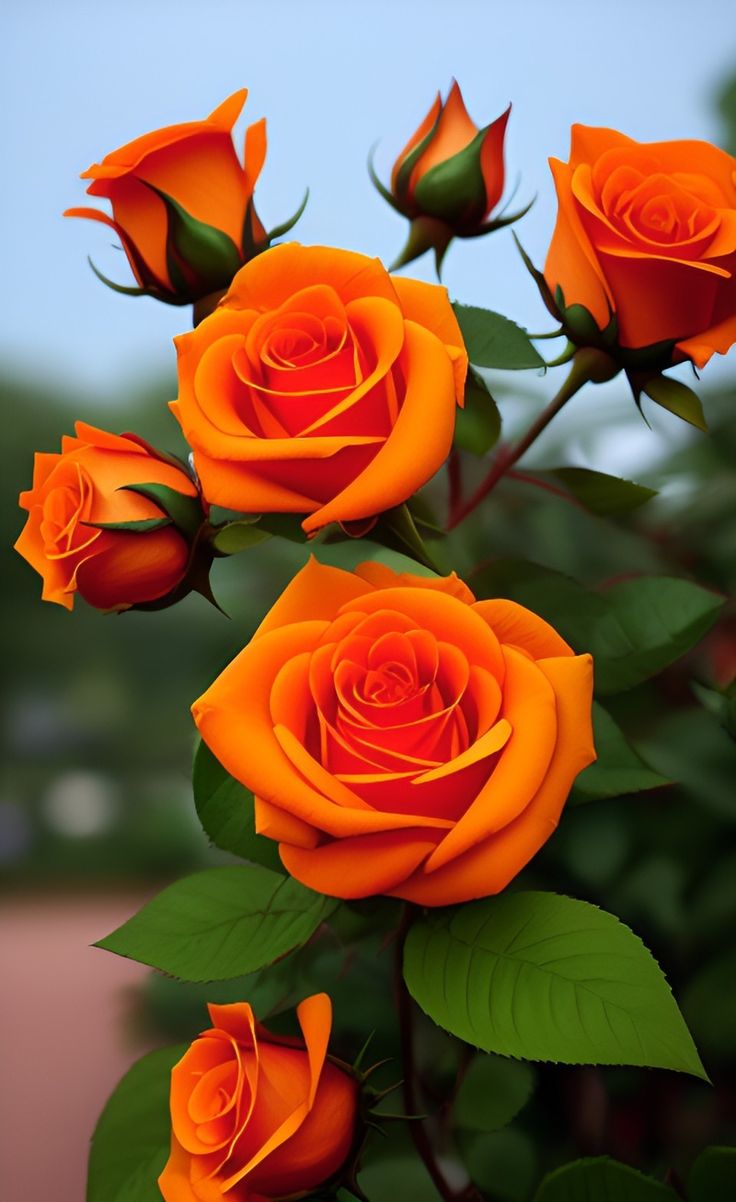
(400, 736)
(257, 1116)
(320, 385)
(182, 203)
(88, 533)
(646, 232)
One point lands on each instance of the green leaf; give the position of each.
(492, 1093)
(225, 809)
(478, 423)
(494, 341)
(221, 923)
(238, 536)
(504, 1163)
(603, 495)
(396, 530)
(184, 511)
(677, 398)
(713, 1176)
(544, 977)
(130, 1144)
(595, 1180)
(619, 769)
(633, 630)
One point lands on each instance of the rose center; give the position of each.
(65, 510)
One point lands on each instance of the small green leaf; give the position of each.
(494, 341)
(713, 1176)
(478, 423)
(492, 1093)
(184, 511)
(221, 923)
(595, 1180)
(619, 769)
(131, 1141)
(544, 977)
(225, 809)
(600, 493)
(238, 536)
(677, 398)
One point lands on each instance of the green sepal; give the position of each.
(380, 187)
(425, 233)
(403, 175)
(278, 231)
(500, 222)
(454, 190)
(677, 398)
(184, 511)
(123, 289)
(143, 526)
(396, 529)
(200, 257)
(478, 423)
(238, 536)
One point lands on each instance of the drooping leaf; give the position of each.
(478, 423)
(677, 398)
(539, 976)
(599, 493)
(238, 536)
(601, 1178)
(225, 809)
(495, 341)
(131, 1141)
(221, 923)
(619, 769)
(713, 1176)
(492, 1093)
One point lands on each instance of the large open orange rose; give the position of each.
(257, 1116)
(400, 736)
(320, 385)
(647, 231)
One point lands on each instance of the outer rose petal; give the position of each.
(136, 570)
(716, 341)
(317, 592)
(512, 623)
(271, 278)
(428, 305)
(382, 576)
(362, 866)
(421, 132)
(491, 160)
(571, 260)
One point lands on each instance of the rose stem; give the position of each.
(587, 365)
(419, 1133)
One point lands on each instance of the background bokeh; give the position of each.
(95, 801)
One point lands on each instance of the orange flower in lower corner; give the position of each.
(257, 1116)
(91, 530)
(401, 737)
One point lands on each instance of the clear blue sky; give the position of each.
(331, 77)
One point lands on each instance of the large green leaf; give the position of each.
(131, 1141)
(544, 977)
(601, 1179)
(494, 341)
(221, 923)
(491, 1093)
(478, 423)
(633, 630)
(601, 494)
(619, 769)
(713, 1176)
(225, 809)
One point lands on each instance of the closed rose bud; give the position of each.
(258, 1116)
(182, 204)
(449, 178)
(111, 519)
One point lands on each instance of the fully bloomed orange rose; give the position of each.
(182, 203)
(400, 736)
(87, 532)
(257, 1116)
(646, 232)
(320, 385)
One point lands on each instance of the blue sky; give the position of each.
(331, 77)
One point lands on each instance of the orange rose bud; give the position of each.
(643, 256)
(320, 385)
(258, 1116)
(448, 179)
(412, 741)
(182, 204)
(112, 519)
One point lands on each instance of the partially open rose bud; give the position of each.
(183, 206)
(255, 1115)
(113, 520)
(448, 179)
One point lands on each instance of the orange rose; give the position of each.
(183, 204)
(320, 385)
(400, 736)
(256, 1116)
(646, 232)
(87, 532)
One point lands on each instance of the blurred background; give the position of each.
(95, 801)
